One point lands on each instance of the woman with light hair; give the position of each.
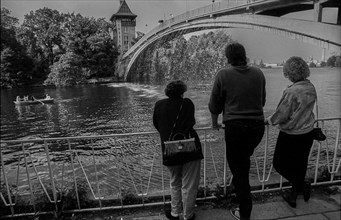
(295, 118)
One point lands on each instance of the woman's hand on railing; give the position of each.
(266, 121)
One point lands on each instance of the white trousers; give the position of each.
(184, 183)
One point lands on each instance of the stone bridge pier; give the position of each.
(121, 68)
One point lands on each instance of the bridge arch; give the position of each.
(324, 35)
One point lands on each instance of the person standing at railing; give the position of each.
(295, 119)
(239, 94)
(171, 116)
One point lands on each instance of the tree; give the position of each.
(16, 66)
(312, 65)
(338, 61)
(323, 64)
(331, 61)
(67, 71)
(41, 32)
(90, 39)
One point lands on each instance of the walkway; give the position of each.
(325, 204)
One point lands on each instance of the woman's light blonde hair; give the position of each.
(296, 69)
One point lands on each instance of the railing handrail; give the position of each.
(332, 161)
(117, 135)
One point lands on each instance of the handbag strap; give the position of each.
(176, 119)
(317, 112)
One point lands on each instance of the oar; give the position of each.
(39, 101)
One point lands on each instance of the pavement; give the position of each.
(321, 206)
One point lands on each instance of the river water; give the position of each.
(125, 163)
(125, 107)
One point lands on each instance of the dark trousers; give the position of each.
(291, 157)
(242, 137)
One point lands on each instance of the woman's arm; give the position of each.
(283, 110)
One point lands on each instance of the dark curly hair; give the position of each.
(296, 69)
(175, 89)
(235, 54)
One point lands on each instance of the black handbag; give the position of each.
(317, 132)
(178, 143)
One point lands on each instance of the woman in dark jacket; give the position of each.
(185, 167)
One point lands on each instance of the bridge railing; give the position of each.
(84, 173)
(192, 14)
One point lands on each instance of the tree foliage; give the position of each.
(41, 32)
(48, 41)
(193, 60)
(66, 71)
(90, 39)
(15, 66)
(334, 61)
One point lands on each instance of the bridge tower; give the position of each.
(124, 26)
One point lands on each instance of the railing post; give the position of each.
(317, 161)
(6, 182)
(74, 174)
(334, 169)
(205, 158)
(96, 176)
(151, 170)
(265, 155)
(162, 180)
(51, 176)
(28, 174)
(225, 170)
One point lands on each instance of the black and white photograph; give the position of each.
(170, 109)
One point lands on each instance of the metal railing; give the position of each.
(111, 169)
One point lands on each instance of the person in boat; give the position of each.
(25, 98)
(295, 119)
(173, 115)
(47, 96)
(238, 94)
(18, 99)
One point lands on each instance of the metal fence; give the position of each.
(75, 174)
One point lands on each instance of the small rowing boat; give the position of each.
(33, 101)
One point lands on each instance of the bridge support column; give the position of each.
(317, 11)
(339, 16)
(323, 58)
(121, 68)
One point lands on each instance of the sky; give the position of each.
(269, 47)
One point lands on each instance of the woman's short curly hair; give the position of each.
(296, 69)
(175, 89)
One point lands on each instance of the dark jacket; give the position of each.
(238, 92)
(165, 113)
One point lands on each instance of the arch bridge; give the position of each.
(258, 15)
